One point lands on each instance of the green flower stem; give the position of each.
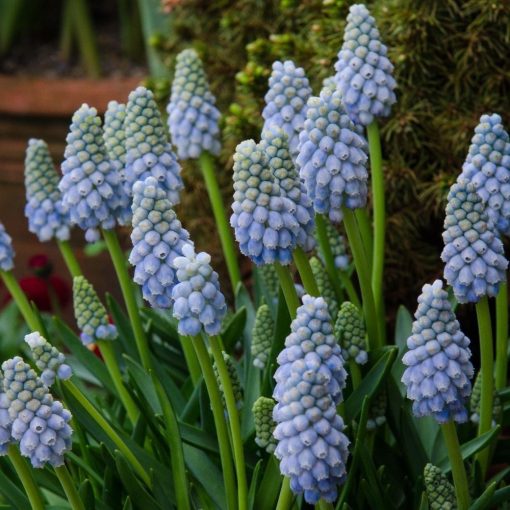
(365, 228)
(219, 421)
(305, 272)
(360, 261)
(323, 505)
(233, 419)
(286, 496)
(108, 429)
(69, 258)
(334, 275)
(502, 336)
(458, 470)
(288, 288)
(25, 474)
(173, 435)
(355, 374)
(487, 369)
(225, 232)
(108, 353)
(374, 147)
(70, 490)
(191, 359)
(119, 262)
(21, 300)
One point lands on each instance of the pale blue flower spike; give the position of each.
(6, 250)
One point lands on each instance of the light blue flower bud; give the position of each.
(351, 332)
(149, 154)
(332, 157)
(286, 100)
(192, 115)
(329, 83)
(338, 247)
(5, 420)
(364, 75)
(438, 363)
(44, 210)
(48, 359)
(473, 254)
(312, 448)
(487, 167)
(6, 250)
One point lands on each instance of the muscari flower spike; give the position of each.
(332, 157)
(44, 210)
(115, 142)
(234, 379)
(6, 250)
(90, 185)
(149, 153)
(312, 448)
(440, 492)
(262, 336)
(286, 100)
(264, 424)
(473, 254)
(377, 411)
(269, 278)
(5, 420)
(438, 363)
(263, 220)
(325, 286)
(338, 247)
(158, 238)
(487, 167)
(364, 74)
(48, 359)
(192, 115)
(351, 332)
(39, 423)
(474, 403)
(90, 313)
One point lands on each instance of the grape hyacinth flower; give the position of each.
(48, 359)
(6, 250)
(197, 299)
(286, 100)
(90, 185)
(44, 210)
(487, 167)
(149, 153)
(438, 363)
(351, 332)
(5, 420)
(324, 285)
(364, 74)
(158, 238)
(312, 448)
(234, 379)
(332, 157)
(262, 336)
(264, 424)
(90, 313)
(192, 115)
(269, 278)
(338, 247)
(39, 423)
(377, 411)
(474, 403)
(440, 492)
(474, 258)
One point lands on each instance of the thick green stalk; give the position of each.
(26, 477)
(69, 258)
(225, 232)
(305, 272)
(502, 337)
(219, 421)
(191, 359)
(286, 496)
(288, 288)
(360, 261)
(67, 483)
(365, 229)
(108, 353)
(119, 263)
(234, 421)
(85, 36)
(458, 470)
(487, 369)
(323, 505)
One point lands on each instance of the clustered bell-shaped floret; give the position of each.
(48, 359)
(149, 153)
(5, 420)
(332, 157)
(6, 250)
(438, 363)
(312, 448)
(364, 74)
(324, 285)
(262, 336)
(286, 100)
(158, 237)
(198, 300)
(338, 247)
(377, 411)
(475, 262)
(351, 333)
(474, 403)
(40, 424)
(440, 492)
(264, 424)
(90, 313)
(44, 210)
(487, 167)
(234, 379)
(90, 185)
(192, 115)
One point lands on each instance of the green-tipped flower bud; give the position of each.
(264, 423)
(377, 411)
(269, 279)
(440, 491)
(326, 289)
(474, 403)
(262, 334)
(338, 247)
(234, 378)
(351, 332)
